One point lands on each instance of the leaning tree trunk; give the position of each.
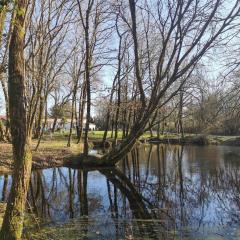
(13, 219)
(111, 158)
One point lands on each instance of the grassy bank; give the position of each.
(52, 152)
(198, 139)
(188, 138)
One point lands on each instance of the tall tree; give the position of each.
(85, 24)
(14, 215)
(182, 37)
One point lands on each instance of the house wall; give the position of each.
(67, 125)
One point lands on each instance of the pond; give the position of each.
(157, 192)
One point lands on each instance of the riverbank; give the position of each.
(172, 138)
(53, 151)
(197, 139)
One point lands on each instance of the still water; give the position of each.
(157, 192)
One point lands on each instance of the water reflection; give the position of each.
(157, 192)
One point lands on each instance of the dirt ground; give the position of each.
(50, 154)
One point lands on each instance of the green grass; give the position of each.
(99, 134)
(60, 139)
(92, 135)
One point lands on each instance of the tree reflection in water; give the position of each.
(156, 191)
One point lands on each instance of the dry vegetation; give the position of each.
(52, 153)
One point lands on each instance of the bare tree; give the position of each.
(183, 36)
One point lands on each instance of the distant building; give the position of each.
(60, 124)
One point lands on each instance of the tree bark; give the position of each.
(87, 78)
(72, 117)
(13, 219)
(81, 112)
(2, 136)
(180, 114)
(39, 119)
(54, 125)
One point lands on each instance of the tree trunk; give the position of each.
(88, 88)
(39, 120)
(72, 117)
(2, 137)
(108, 114)
(111, 158)
(180, 114)
(43, 127)
(54, 124)
(158, 130)
(81, 112)
(13, 219)
(3, 12)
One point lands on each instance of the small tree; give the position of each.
(59, 111)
